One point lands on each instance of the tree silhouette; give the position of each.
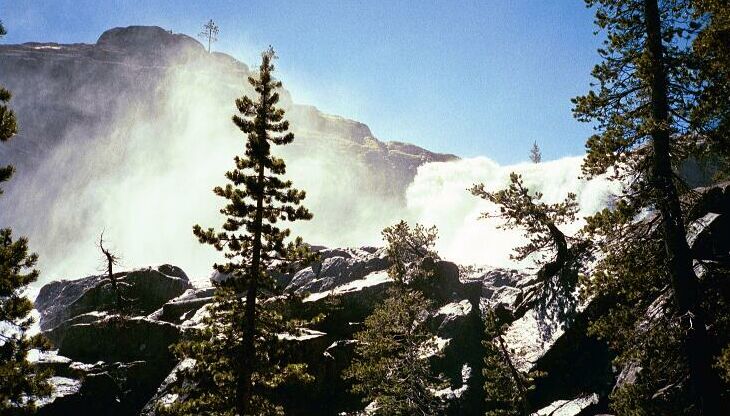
(209, 33)
(535, 154)
(640, 105)
(111, 260)
(240, 357)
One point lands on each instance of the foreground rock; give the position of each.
(121, 365)
(125, 364)
(109, 363)
(146, 289)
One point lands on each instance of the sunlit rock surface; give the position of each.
(147, 290)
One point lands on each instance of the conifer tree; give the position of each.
(21, 383)
(391, 366)
(505, 386)
(535, 154)
(712, 113)
(642, 108)
(560, 257)
(410, 252)
(240, 354)
(711, 116)
(209, 33)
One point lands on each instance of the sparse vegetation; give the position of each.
(209, 33)
(22, 383)
(391, 368)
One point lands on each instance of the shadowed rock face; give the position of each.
(146, 289)
(119, 361)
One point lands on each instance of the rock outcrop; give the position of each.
(106, 352)
(121, 364)
(106, 362)
(147, 290)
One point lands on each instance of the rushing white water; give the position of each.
(439, 196)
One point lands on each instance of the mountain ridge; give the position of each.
(95, 118)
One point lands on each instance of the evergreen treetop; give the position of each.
(257, 198)
(561, 258)
(410, 251)
(535, 154)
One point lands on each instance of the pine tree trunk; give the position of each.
(115, 287)
(516, 376)
(687, 291)
(245, 385)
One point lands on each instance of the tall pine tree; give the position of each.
(712, 115)
(561, 258)
(535, 153)
(21, 383)
(641, 109)
(240, 354)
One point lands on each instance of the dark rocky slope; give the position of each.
(122, 365)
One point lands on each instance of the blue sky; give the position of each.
(472, 78)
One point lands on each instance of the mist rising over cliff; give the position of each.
(130, 135)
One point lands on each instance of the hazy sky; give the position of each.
(474, 78)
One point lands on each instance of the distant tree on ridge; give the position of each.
(209, 33)
(535, 154)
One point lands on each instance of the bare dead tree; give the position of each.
(112, 260)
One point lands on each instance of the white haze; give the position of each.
(148, 179)
(438, 197)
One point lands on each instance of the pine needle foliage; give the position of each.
(8, 129)
(410, 252)
(21, 382)
(535, 153)
(506, 387)
(213, 348)
(392, 366)
(644, 107)
(561, 258)
(711, 115)
(239, 355)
